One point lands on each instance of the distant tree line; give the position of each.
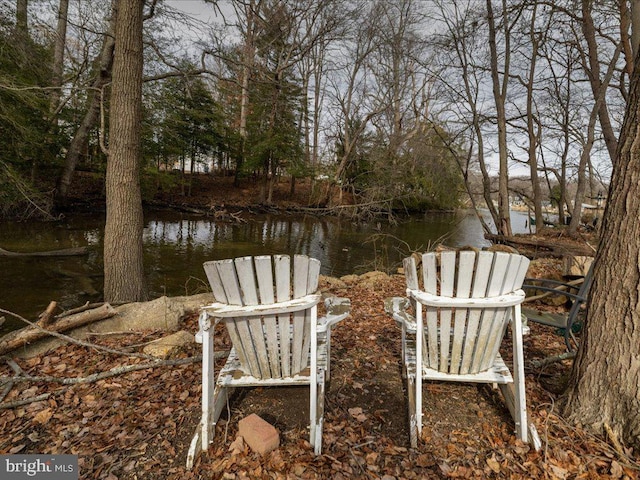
(296, 89)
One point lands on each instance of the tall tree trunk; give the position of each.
(58, 54)
(635, 26)
(533, 128)
(603, 388)
(597, 85)
(499, 95)
(21, 17)
(123, 255)
(248, 53)
(80, 139)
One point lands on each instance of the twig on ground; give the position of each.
(109, 373)
(82, 308)
(553, 359)
(26, 401)
(79, 342)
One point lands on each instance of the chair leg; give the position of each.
(414, 418)
(214, 399)
(514, 393)
(317, 421)
(328, 361)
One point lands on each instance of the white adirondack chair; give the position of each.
(270, 312)
(462, 303)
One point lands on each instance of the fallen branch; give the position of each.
(67, 252)
(82, 308)
(113, 372)
(34, 332)
(26, 401)
(76, 341)
(554, 359)
(555, 249)
(8, 385)
(47, 317)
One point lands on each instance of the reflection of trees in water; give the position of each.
(175, 248)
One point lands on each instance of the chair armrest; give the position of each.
(338, 309)
(204, 324)
(397, 307)
(223, 310)
(501, 301)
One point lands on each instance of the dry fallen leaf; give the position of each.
(43, 416)
(237, 446)
(493, 464)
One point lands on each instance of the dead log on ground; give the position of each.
(30, 334)
(551, 248)
(67, 252)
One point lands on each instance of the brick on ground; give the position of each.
(261, 436)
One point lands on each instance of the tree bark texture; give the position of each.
(604, 388)
(123, 255)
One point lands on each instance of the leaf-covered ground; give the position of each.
(138, 425)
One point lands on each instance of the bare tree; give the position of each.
(124, 279)
(461, 49)
(95, 101)
(500, 82)
(58, 54)
(603, 394)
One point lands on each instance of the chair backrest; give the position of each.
(465, 339)
(275, 345)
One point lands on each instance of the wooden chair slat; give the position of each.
(498, 273)
(430, 273)
(282, 264)
(447, 273)
(264, 276)
(247, 280)
(482, 274)
(211, 270)
(284, 329)
(236, 340)
(494, 339)
(410, 272)
(300, 275)
(313, 276)
(430, 281)
(465, 274)
(229, 279)
(244, 326)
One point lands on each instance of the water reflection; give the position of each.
(176, 245)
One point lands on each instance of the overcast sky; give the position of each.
(198, 9)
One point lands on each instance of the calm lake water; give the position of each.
(176, 245)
